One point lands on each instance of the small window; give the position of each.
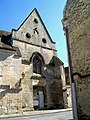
(35, 20)
(44, 40)
(35, 31)
(28, 35)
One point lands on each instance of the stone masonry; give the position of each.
(31, 74)
(77, 20)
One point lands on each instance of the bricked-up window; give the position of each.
(37, 65)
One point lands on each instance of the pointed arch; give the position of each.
(38, 62)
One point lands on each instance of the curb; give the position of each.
(31, 113)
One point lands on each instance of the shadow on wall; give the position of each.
(6, 52)
(6, 89)
(4, 55)
(54, 84)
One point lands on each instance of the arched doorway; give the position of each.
(38, 97)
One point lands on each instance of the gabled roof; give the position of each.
(41, 22)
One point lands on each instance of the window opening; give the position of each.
(28, 35)
(37, 65)
(44, 40)
(35, 20)
(35, 31)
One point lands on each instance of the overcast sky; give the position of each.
(13, 13)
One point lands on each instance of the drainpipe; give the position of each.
(75, 113)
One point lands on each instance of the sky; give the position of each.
(14, 12)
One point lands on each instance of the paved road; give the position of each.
(67, 115)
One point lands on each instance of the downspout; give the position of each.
(75, 113)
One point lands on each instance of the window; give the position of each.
(35, 20)
(44, 40)
(28, 35)
(35, 31)
(37, 65)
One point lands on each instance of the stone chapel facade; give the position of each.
(31, 74)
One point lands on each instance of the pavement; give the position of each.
(31, 113)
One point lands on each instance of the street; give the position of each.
(66, 115)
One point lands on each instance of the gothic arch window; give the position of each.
(37, 64)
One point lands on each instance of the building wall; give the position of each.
(69, 97)
(29, 46)
(10, 85)
(19, 83)
(77, 20)
(68, 86)
(28, 27)
(34, 44)
(54, 85)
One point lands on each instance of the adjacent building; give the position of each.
(68, 88)
(76, 23)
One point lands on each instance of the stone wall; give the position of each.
(10, 82)
(77, 20)
(54, 94)
(55, 83)
(29, 46)
(27, 88)
(69, 97)
(18, 82)
(35, 43)
(68, 86)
